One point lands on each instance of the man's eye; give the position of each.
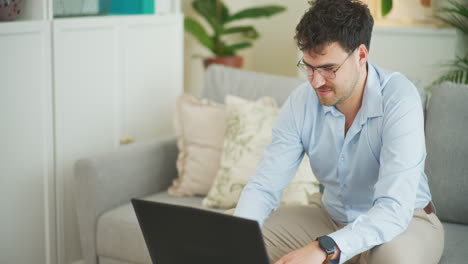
(327, 69)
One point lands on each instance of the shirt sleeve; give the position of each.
(279, 163)
(402, 157)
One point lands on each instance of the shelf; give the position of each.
(97, 21)
(21, 27)
(43, 10)
(419, 28)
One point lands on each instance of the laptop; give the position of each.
(183, 235)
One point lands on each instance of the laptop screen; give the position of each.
(179, 235)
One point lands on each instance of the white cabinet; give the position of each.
(152, 75)
(73, 88)
(27, 195)
(86, 59)
(115, 78)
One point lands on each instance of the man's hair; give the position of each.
(347, 22)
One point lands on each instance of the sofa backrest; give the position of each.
(221, 81)
(447, 151)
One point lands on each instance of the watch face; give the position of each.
(327, 244)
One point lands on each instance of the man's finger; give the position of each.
(280, 261)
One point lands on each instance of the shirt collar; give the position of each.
(372, 98)
(372, 101)
(332, 109)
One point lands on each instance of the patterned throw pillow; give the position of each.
(248, 130)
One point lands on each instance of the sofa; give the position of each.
(105, 183)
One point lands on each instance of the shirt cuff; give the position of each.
(341, 238)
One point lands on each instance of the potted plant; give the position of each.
(456, 14)
(220, 19)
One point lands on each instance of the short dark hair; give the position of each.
(347, 22)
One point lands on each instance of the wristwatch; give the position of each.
(328, 245)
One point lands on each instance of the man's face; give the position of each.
(335, 91)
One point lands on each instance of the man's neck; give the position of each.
(351, 107)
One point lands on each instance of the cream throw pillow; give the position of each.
(248, 130)
(199, 126)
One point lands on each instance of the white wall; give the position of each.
(274, 52)
(416, 50)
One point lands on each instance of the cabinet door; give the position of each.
(27, 222)
(86, 108)
(115, 77)
(153, 75)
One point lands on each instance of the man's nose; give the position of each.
(317, 79)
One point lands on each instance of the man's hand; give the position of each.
(310, 254)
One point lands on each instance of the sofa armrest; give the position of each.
(109, 180)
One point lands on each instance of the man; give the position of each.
(363, 131)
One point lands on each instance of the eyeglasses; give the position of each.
(326, 72)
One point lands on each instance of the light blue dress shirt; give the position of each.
(373, 175)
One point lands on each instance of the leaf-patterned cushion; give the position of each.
(248, 130)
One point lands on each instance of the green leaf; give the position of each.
(246, 31)
(222, 49)
(457, 73)
(256, 12)
(215, 15)
(386, 7)
(238, 46)
(194, 28)
(456, 14)
(456, 76)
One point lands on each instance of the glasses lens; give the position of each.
(327, 73)
(306, 70)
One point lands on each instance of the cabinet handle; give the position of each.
(126, 140)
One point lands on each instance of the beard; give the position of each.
(330, 98)
(337, 95)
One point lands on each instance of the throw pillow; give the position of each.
(248, 130)
(199, 127)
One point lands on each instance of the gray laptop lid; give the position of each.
(181, 235)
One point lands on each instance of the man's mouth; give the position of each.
(324, 92)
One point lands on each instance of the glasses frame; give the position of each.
(302, 66)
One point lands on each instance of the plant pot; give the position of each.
(230, 61)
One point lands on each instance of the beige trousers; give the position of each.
(293, 227)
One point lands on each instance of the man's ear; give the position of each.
(363, 53)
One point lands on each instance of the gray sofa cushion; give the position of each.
(119, 236)
(456, 243)
(447, 145)
(221, 81)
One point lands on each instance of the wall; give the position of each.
(274, 52)
(395, 46)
